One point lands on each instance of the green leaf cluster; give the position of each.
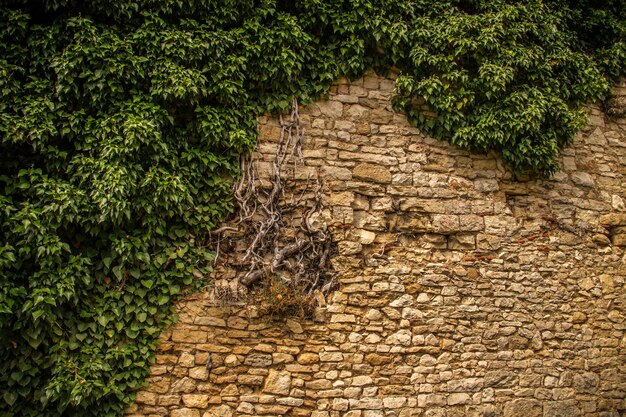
(122, 124)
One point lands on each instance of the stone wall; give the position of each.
(463, 292)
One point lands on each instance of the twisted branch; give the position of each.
(262, 220)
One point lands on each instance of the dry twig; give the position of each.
(275, 246)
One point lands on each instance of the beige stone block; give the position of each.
(199, 372)
(380, 116)
(196, 400)
(308, 358)
(145, 397)
(444, 223)
(279, 358)
(372, 172)
(619, 239)
(189, 336)
(613, 219)
(250, 379)
(277, 382)
(376, 359)
(331, 109)
(331, 356)
(185, 412)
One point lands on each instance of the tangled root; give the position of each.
(276, 240)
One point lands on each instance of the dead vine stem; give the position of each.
(281, 227)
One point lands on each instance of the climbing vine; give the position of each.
(122, 124)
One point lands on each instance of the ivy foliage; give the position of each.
(122, 123)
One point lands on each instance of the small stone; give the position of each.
(221, 411)
(601, 240)
(371, 172)
(405, 300)
(349, 248)
(319, 384)
(331, 109)
(366, 237)
(458, 398)
(340, 404)
(278, 382)
(199, 372)
(472, 273)
(231, 360)
(331, 356)
(579, 317)
(279, 358)
(586, 284)
(250, 379)
(486, 185)
(196, 400)
(402, 337)
(230, 391)
(189, 336)
(361, 380)
(376, 359)
(618, 203)
(245, 408)
(259, 360)
(308, 358)
(294, 326)
(561, 409)
(145, 397)
(583, 179)
(185, 412)
(523, 407)
(343, 318)
(184, 385)
(586, 382)
(465, 385)
(619, 239)
(187, 360)
(411, 313)
(394, 402)
(373, 315)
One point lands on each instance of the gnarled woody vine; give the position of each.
(286, 255)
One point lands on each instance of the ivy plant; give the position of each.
(122, 124)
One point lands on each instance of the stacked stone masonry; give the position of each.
(463, 291)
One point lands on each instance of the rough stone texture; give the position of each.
(463, 292)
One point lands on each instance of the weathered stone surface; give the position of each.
(583, 179)
(523, 407)
(308, 358)
(278, 382)
(459, 289)
(196, 400)
(371, 172)
(561, 409)
(376, 359)
(185, 412)
(221, 411)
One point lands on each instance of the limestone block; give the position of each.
(523, 407)
(196, 400)
(145, 397)
(308, 358)
(372, 172)
(278, 382)
(185, 412)
(258, 360)
(561, 409)
(189, 336)
(199, 372)
(583, 179)
(458, 398)
(331, 109)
